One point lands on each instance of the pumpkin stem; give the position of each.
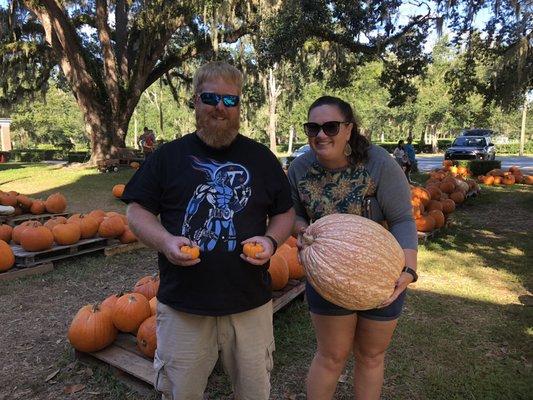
(308, 239)
(96, 307)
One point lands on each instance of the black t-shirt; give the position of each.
(218, 198)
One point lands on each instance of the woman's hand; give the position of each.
(401, 284)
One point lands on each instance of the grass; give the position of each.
(466, 331)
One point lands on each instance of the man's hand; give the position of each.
(262, 257)
(171, 249)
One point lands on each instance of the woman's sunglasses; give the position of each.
(213, 99)
(330, 128)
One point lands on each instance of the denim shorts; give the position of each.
(319, 305)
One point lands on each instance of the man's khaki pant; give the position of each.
(188, 347)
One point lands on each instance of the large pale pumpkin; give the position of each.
(351, 261)
(91, 329)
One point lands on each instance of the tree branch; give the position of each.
(121, 25)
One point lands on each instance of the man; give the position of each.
(147, 142)
(213, 188)
(411, 157)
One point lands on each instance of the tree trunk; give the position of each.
(291, 138)
(523, 129)
(273, 94)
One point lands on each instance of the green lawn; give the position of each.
(466, 331)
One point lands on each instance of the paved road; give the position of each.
(427, 163)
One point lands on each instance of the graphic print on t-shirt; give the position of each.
(224, 193)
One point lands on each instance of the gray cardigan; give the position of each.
(382, 181)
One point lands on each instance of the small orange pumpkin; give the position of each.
(425, 223)
(37, 207)
(193, 251)
(146, 337)
(147, 286)
(7, 199)
(290, 254)
(91, 329)
(6, 232)
(130, 311)
(98, 215)
(508, 180)
(439, 218)
(56, 203)
(434, 205)
(118, 190)
(67, 234)
(252, 249)
(36, 238)
(448, 206)
(291, 241)
(24, 202)
(457, 197)
(421, 193)
(434, 192)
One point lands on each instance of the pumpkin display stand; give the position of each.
(16, 272)
(42, 218)
(136, 370)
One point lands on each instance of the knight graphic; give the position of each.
(226, 192)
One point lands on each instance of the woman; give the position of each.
(345, 174)
(399, 154)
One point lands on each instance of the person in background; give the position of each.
(218, 190)
(411, 156)
(147, 142)
(344, 173)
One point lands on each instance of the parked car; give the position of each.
(475, 146)
(301, 150)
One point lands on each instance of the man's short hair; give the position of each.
(214, 70)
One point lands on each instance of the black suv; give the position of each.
(473, 144)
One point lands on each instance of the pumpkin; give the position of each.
(454, 170)
(496, 172)
(439, 218)
(147, 286)
(7, 199)
(290, 254)
(447, 187)
(135, 165)
(252, 249)
(434, 192)
(116, 214)
(462, 170)
(421, 193)
(418, 211)
(447, 163)
(193, 251)
(55, 221)
(109, 302)
(434, 205)
(98, 215)
(128, 236)
(36, 238)
(17, 230)
(91, 329)
(24, 202)
(130, 311)
(528, 179)
(37, 207)
(118, 190)
(56, 203)
(67, 234)
(457, 197)
(153, 305)
(291, 241)
(7, 258)
(351, 261)
(488, 180)
(146, 337)
(426, 223)
(111, 227)
(508, 180)
(6, 232)
(497, 180)
(448, 206)
(279, 272)
(88, 225)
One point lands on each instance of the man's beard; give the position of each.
(214, 133)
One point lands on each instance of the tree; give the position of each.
(110, 51)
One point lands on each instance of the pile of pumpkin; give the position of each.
(34, 236)
(444, 190)
(55, 203)
(96, 326)
(508, 178)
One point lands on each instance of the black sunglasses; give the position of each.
(212, 99)
(330, 128)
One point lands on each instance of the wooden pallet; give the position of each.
(137, 370)
(19, 219)
(116, 247)
(15, 273)
(25, 258)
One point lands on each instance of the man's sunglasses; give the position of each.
(330, 128)
(213, 99)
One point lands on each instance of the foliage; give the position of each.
(481, 167)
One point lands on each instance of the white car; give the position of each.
(301, 150)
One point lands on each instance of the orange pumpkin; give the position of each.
(56, 203)
(135, 165)
(98, 215)
(109, 302)
(193, 251)
(6, 232)
(290, 254)
(55, 221)
(111, 227)
(153, 305)
(426, 223)
(66, 234)
(118, 190)
(17, 230)
(291, 241)
(447, 187)
(24, 202)
(497, 180)
(38, 207)
(7, 199)
(146, 337)
(128, 236)
(7, 258)
(462, 170)
(434, 205)
(457, 197)
(252, 249)
(528, 180)
(91, 329)
(508, 180)
(351, 261)
(421, 193)
(130, 311)
(279, 272)
(88, 225)
(147, 286)
(439, 218)
(434, 192)
(488, 180)
(36, 238)
(448, 206)
(447, 163)
(418, 211)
